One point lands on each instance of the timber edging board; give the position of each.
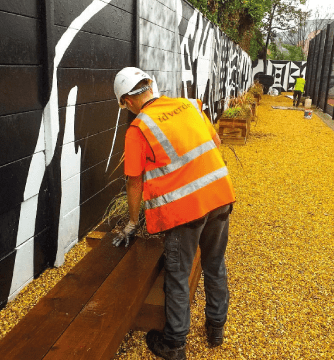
(88, 313)
(152, 313)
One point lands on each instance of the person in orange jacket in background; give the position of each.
(173, 163)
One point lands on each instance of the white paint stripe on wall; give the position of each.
(26, 229)
(35, 175)
(70, 195)
(50, 113)
(49, 133)
(68, 230)
(114, 139)
(24, 268)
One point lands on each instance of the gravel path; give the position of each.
(280, 253)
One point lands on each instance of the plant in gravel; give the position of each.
(249, 98)
(256, 90)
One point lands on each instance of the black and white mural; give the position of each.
(284, 72)
(58, 118)
(62, 132)
(189, 56)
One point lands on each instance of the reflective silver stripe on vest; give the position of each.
(195, 103)
(161, 137)
(187, 189)
(181, 161)
(176, 161)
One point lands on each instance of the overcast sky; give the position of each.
(323, 6)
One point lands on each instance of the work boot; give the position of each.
(215, 332)
(169, 350)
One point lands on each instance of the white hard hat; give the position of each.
(126, 80)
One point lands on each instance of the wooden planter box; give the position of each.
(234, 130)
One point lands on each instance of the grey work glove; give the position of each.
(129, 230)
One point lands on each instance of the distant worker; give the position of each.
(299, 89)
(172, 158)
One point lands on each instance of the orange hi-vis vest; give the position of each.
(188, 178)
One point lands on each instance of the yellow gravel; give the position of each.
(280, 253)
(33, 292)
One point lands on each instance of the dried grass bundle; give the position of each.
(119, 209)
(256, 89)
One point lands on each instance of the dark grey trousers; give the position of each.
(296, 97)
(181, 243)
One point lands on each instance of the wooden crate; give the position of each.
(234, 130)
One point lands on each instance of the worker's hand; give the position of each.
(129, 230)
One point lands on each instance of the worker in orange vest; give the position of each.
(173, 163)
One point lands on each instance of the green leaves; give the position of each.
(247, 22)
(233, 112)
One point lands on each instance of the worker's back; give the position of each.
(188, 178)
(300, 83)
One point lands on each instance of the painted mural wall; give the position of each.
(189, 56)
(284, 72)
(58, 119)
(320, 71)
(62, 134)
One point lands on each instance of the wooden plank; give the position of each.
(152, 313)
(233, 140)
(96, 235)
(93, 239)
(98, 330)
(287, 108)
(35, 334)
